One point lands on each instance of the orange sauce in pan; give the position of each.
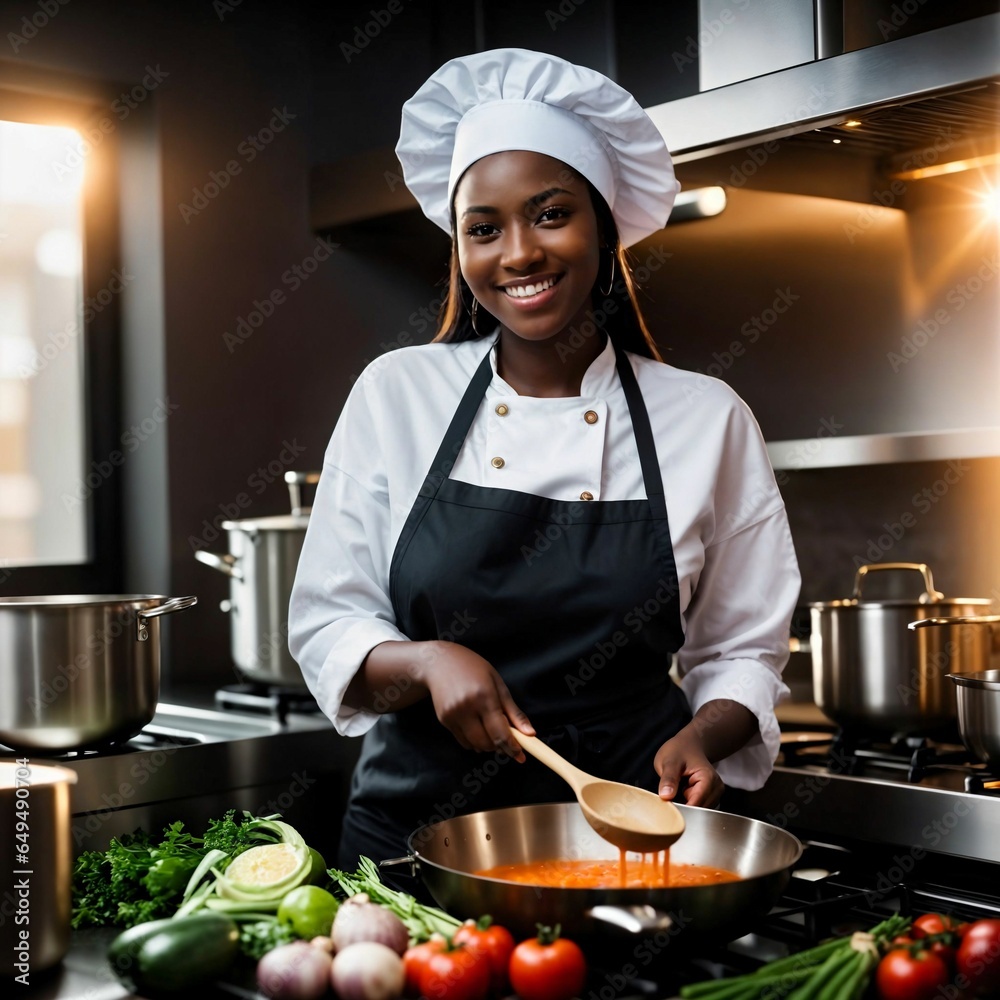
(650, 871)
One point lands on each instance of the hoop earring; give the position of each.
(472, 315)
(611, 281)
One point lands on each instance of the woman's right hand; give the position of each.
(471, 699)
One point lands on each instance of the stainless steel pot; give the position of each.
(871, 674)
(79, 671)
(448, 854)
(978, 694)
(36, 883)
(261, 562)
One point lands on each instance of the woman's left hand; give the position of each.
(683, 767)
(684, 763)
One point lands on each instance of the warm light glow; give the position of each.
(39, 164)
(853, 123)
(59, 253)
(837, 140)
(991, 203)
(951, 167)
(698, 203)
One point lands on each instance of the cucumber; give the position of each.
(166, 956)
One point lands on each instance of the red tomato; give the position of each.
(415, 962)
(978, 957)
(944, 951)
(902, 976)
(459, 973)
(547, 967)
(496, 942)
(932, 923)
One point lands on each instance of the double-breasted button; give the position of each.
(502, 410)
(591, 417)
(497, 463)
(586, 495)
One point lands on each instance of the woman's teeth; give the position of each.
(524, 291)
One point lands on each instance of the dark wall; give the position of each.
(328, 81)
(249, 402)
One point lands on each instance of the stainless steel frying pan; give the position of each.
(446, 855)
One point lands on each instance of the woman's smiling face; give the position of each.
(528, 241)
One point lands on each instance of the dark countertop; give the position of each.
(85, 974)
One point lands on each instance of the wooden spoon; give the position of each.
(630, 818)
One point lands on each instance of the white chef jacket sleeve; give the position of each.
(737, 624)
(340, 607)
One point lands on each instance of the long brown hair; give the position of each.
(617, 313)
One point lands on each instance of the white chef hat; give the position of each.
(507, 99)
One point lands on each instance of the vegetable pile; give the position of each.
(933, 958)
(138, 879)
(195, 907)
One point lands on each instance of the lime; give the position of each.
(317, 873)
(309, 911)
(264, 866)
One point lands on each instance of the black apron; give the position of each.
(575, 603)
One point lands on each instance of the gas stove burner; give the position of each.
(850, 753)
(269, 699)
(982, 781)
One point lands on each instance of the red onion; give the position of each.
(367, 971)
(295, 971)
(359, 920)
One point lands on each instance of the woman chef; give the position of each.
(520, 523)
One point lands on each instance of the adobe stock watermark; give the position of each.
(887, 197)
(555, 530)
(958, 297)
(248, 150)
(632, 624)
(224, 7)
(113, 797)
(131, 440)
(281, 803)
(44, 11)
(263, 309)
(94, 134)
(751, 331)
(366, 33)
(57, 342)
(421, 320)
(562, 13)
(257, 482)
(708, 33)
(597, 316)
(899, 14)
(922, 502)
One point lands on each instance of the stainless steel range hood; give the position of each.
(901, 90)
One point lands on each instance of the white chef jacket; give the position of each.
(736, 565)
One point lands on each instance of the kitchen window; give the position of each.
(58, 335)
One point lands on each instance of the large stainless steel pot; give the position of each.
(261, 562)
(978, 694)
(79, 671)
(36, 882)
(871, 674)
(447, 854)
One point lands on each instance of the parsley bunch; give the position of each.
(137, 879)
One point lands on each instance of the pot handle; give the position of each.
(929, 594)
(224, 564)
(166, 608)
(960, 620)
(988, 620)
(407, 859)
(295, 481)
(634, 919)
